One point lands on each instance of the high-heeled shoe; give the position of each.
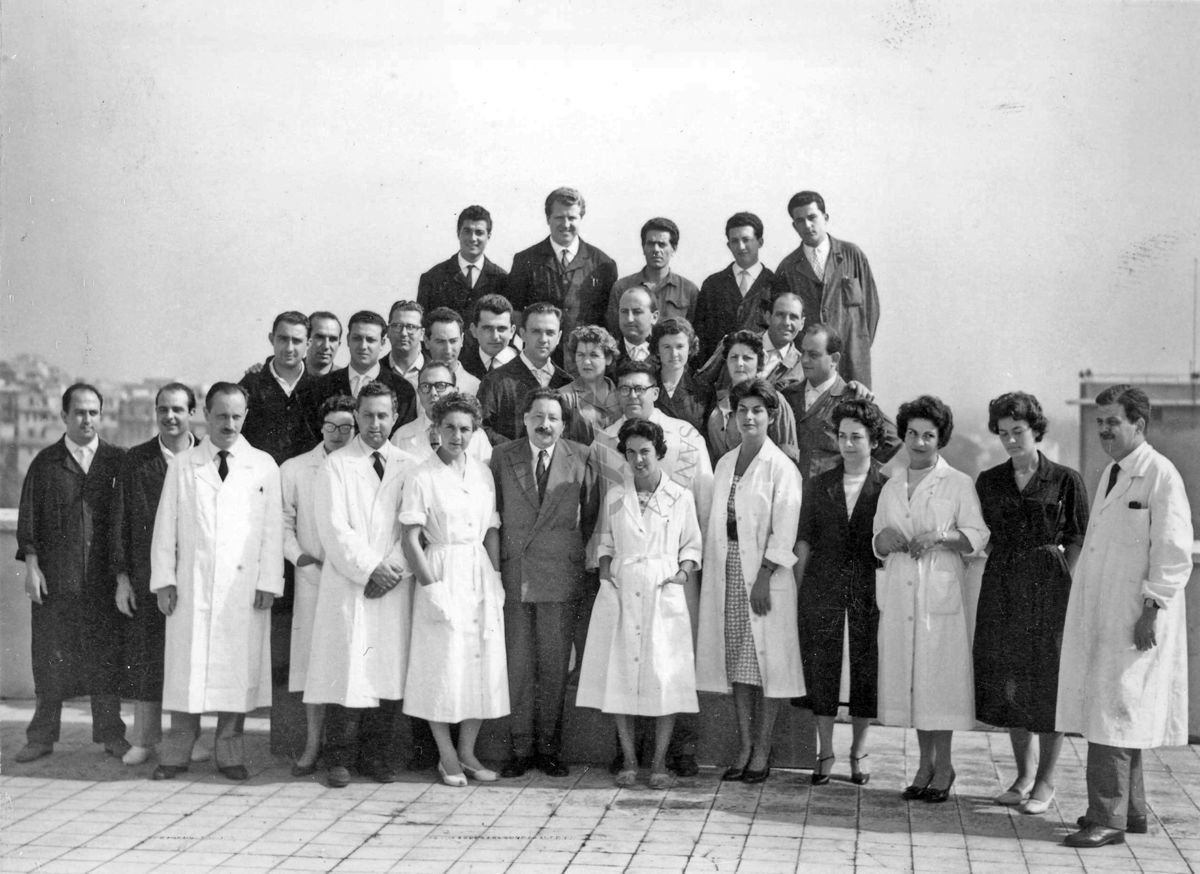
(1036, 806)
(736, 772)
(482, 775)
(916, 791)
(857, 775)
(459, 781)
(819, 775)
(938, 796)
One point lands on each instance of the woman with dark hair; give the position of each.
(744, 360)
(591, 395)
(638, 660)
(1037, 512)
(835, 576)
(748, 641)
(680, 394)
(457, 668)
(928, 518)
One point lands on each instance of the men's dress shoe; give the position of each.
(299, 770)
(168, 772)
(1134, 825)
(137, 755)
(749, 776)
(235, 772)
(338, 777)
(516, 767)
(384, 774)
(1094, 836)
(118, 747)
(685, 766)
(32, 751)
(481, 775)
(551, 766)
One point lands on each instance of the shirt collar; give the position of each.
(288, 386)
(754, 269)
(534, 450)
(548, 367)
(167, 453)
(571, 250)
(823, 387)
(463, 264)
(821, 250)
(90, 447)
(371, 374)
(412, 370)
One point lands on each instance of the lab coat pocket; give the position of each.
(880, 582)
(671, 602)
(852, 294)
(440, 602)
(943, 593)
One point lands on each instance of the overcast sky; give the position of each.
(1022, 176)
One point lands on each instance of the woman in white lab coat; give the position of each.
(457, 668)
(748, 638)
(638, 660)
(928, 518)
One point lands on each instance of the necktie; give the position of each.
(81, 455)
(491, 363)
(744, 282)
(1112, 478)
(378, 464)
(566, 257)
(541, 474)
(223, 463)
(469, 274)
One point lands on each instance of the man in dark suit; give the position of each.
(278, 418)
(365, 333)
(834, 280)
(503, 390)
(562, 269)
(814, 400)
(735, 298)
(637, 313)
(462, 279)
(493, 331)
(547, 497)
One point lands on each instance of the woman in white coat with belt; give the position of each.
(927, 519)
(748, 639)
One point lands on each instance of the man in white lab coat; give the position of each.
(1122, 679)
(216, 565)
(363, 617)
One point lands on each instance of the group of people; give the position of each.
(687, 495)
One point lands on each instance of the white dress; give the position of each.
(639, 658)
(457, 667)
(926, 679)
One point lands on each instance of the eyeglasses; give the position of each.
(329, 428)
(426, 387)
(628, 391)
(403, 327)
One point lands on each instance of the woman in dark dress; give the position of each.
(835, 575)
(681, 395)
(1037, 512)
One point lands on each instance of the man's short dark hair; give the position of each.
(406, 306)
(474, 213)
(541, 308)
(833, 340)
(224, 388)
(649, 295)
(927, 407)
(744, 220)
(177, 386)
(442, 314)
(1134, 401)
(337, 404)
(432, 364)
(658, 223)
(543, 394)
(630, 367)
(291, 317)
(567, 197)
(80, 386)
(497, 304)
(804, 198)
(375, 389)
(324, 315)
(367, 317)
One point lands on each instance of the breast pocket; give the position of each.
(1134, 527)
(943, 593)
(852, 293)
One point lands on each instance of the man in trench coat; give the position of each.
(1122, 679)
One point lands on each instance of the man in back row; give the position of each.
(737, 297)
(674, 296)
(461, 280)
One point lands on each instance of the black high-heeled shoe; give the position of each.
(858, 776)
(737, 772)
(937, 796)
(819, 776)
(916, 791)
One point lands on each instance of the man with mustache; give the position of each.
(1122, 680)
(216, 565)
(674, 296)
(547, 497)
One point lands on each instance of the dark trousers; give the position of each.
(1116, 787)
(367, 735)
(538, 639)
(46, 724)
(229, 749)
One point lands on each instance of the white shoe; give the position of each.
(137, 755)
(1033, 806)
(1013, 797)
(201, 754)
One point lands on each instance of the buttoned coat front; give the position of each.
(359, 652)
(767, 504)
(218, 543)
(580, 291)
(298, 478)
(720, 308)
(444, 285)
(1138, 545)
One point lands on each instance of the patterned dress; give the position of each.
(741, 660)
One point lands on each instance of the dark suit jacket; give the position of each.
(693, 399)
(581, 292)
(279, 425)
(542, 541)
(841, 563)
(501, 394)
(470, 360)
(814, 429)
(847, 301)
(721, 308)
(443, 285)
(338, 383)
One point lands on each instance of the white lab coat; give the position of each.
(217, 543)
(767, 504)
(298, 477)
(1138, 545)
(359, 652)
(925, 674)
(413, 438)
(639, 658)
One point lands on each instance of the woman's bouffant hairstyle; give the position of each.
(1020, 406)
(755, 388)
(458, 402)
(645, 429)
(865, 413)
(931, 408)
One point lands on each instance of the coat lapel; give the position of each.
(560, 462)
(206, 469)
(524, 474)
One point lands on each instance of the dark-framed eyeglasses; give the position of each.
(329, 428)
(427, 387)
